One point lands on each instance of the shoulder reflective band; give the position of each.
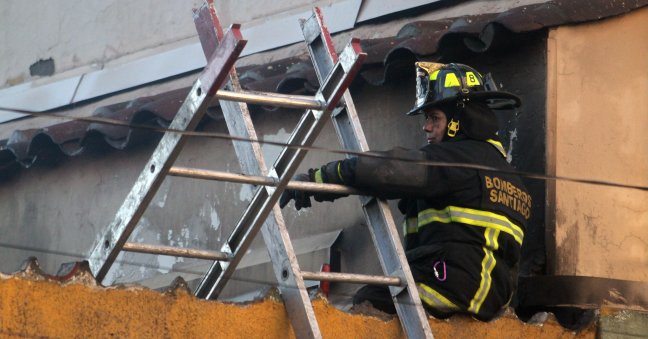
(435, 299)
(472, 217)
(498, 145)
(488, 264)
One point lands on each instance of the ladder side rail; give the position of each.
(377, 212)
(108, 244)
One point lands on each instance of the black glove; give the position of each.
(324, 196)
(302, 198)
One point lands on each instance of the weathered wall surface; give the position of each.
(597, 121)
(84, 34)
(55, 213)
(33, 308)
(81, 36)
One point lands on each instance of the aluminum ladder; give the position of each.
(332, 99)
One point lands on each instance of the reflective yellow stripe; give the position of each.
(434, 75)
(451, 81)
(472, 217)
(435, 299)
(491, 235)
(318, 176)
(340, 171)
(410, 225)
(498, 145)
(484, 286)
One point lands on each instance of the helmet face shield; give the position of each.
(422, 86)
(425, 72)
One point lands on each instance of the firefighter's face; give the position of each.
(435, 125)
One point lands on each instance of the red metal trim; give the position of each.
(355, 44)
(326, 36)
(325, 286)
(222, 61)
(333, 101)
(215, 20)
(205, 28)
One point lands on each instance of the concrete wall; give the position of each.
(597, 119)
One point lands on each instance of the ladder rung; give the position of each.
(259, 180)
(352, 278)
(176, 251)
(272, 99)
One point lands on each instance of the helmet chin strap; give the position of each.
(453, 128)
(454, 125)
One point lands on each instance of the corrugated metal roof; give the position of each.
(386, 58)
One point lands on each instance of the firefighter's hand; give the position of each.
(302, 198)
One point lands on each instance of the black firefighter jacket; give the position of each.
(463, 227)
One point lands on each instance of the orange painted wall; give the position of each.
(45, 308)
(597, 118)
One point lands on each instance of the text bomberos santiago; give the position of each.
(504, 192)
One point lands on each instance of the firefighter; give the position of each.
(463, 226)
